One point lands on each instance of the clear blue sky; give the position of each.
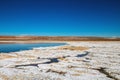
(60, 17)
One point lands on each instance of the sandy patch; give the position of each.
(6, 56)
(73, 48)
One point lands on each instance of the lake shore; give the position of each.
(79, 60)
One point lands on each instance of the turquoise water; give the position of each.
(6, 48)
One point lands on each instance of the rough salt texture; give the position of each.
(98, 61)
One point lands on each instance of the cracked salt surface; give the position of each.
(100, 62)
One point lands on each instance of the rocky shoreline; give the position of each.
(75, 61)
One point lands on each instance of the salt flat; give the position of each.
(95, 60)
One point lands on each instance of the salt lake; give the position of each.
(6, 48)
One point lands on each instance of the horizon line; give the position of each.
(64, 36)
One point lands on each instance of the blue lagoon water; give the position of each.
(6, 48)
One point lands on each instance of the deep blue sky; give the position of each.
(60, 17)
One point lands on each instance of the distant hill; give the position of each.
(55, 38)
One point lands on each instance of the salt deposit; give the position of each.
(95, 61)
